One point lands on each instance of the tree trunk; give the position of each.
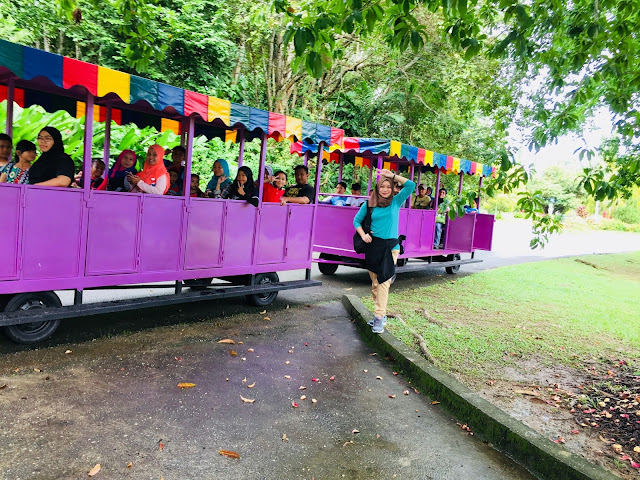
(45, 40)
(238, 66)
(60, 41)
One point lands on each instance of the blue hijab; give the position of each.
(225, 173)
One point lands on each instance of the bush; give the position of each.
(628, 213)
(582, 211)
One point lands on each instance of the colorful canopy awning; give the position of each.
(77, 79)
(395, 153)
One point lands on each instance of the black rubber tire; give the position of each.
(198, 283)
(327, 268)
(264, 299)
(30, 333)
(455, 269)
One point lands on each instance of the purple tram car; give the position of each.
(463, 235)
(63, 238)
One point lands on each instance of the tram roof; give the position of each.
(397, 155)
(57, 82)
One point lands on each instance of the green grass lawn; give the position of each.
(564, 311)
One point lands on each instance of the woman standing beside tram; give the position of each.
(382, 250)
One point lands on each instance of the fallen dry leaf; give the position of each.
(247, 400)
(636, 449)
(228, 340)
(95, 470)
(302, 387)
(161, 446)
(267, 318)
(617, 447)
(287, 362)
(229, 453)
(332, 378)
(4, 385)
(406, 392)
(284, 437)
(373, 354)
(527, 392)
(130, 464)
(263, 312)
(491, 382)
(306, 344)
(68, 352)
(252, 385)
(290, 351)
(287, 377)
(313, 400)
(303, 397)
(294, 405)
(186, 385)
(315, 380)
(250, 350)
(355, 431)
(435, 402)
(395, 373)
(244, 380)
(37, 370)
(378, 377)
(365, 371)
(392, 396)
(378, 436)
(347, 443)
(233, 353)
(350, 288)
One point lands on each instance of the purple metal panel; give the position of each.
(334, 227)
(52, 230)
(204, 234)
(112, 237)
(459, 234)
(427, 234)
(483, 235)
(160, 233)
(9, 233)
(271, 236)
(238, 233)
(299, 232)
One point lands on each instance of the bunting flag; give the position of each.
(364, 149)
(66, 74)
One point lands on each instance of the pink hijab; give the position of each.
(150, 174)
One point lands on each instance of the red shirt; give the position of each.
(271, 193)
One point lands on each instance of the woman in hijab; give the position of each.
(54, 168)
(116, 180)
(154, 177)
(242, 188)
(219, 180)
(382, 249)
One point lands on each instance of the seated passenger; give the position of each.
(338, 200)
(154, 177)
(421, 201)
(242, 188)
(6, 145)
(175, 187)
(268, 176)
(441, 216)
(356, 189)
(54, 168)
(194, 190)
(178, 154)
(301, 192)
(97, 170)
(473, 208)
(219, 180)
(272, 192)
(18, 170)
(430, 195)
(116, 180)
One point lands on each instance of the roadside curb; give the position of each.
(508, 435)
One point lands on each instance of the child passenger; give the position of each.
(174, 183)
(220, 179)
(272, 192)
(6, 145)
(18, 170)
(97, 169)
(116, 180)
(242, 188)
(194, 190)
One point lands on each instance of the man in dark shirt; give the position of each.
(301, 192)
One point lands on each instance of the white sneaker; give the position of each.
(378, 325)
(384, 321)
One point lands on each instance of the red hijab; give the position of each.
(151, 174)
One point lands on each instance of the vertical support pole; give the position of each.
(107, 140)
(437, 190)
(263, 161)
(88, 144)
(318, 170)
(411, 174)
(314, 214)
(186, 199)
(183, 133)
(241, 152)
(306, 158)
(460, 184)
(178, 287)
(479, 191)
(341, 155)
(10, 97)
(380, 164)
(370, 176)
(77, 297)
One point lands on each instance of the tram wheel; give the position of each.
(453, 270)
(264, 299)
(29, 333)
(327, 268)
(198, 283)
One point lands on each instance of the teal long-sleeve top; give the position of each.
(384, 220)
